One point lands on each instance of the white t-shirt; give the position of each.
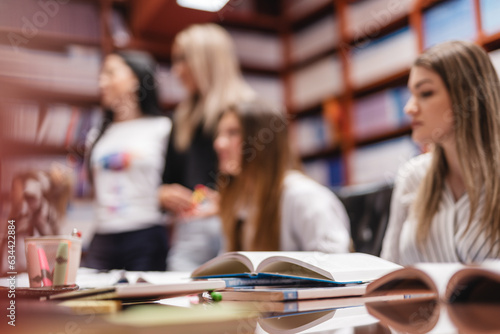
(448, 240)
(127, 163)
(312, 217)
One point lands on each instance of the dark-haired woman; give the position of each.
(126, 162)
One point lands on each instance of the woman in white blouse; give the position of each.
(445, 206)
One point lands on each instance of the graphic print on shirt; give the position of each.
(116, 161)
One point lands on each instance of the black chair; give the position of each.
(368, 208)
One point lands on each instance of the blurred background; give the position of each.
(339, 66)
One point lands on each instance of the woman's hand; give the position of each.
(175, 198)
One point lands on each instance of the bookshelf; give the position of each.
(340, 66)
(376, 44)
(50, 57)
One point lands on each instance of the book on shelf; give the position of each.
(299, 9)
(312, 134)
(450, 282)
(267, 87)
(365, 17)
(263, 50)
(142, 291)
(380, 113)
(329, 172)
(490, 10)
(316, 38)
(310, 85)
(297, 268)
(384, 159)
(449, 20)
(380, 58)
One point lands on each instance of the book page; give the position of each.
(350, 267)
(232, 263)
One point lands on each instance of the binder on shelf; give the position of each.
(384, 159)
(366, 17)
(449, 20)
(298, 9)
(263, 50)
(377, 59)
(490, 11)
(380, 113)
(317, 82)
(312, 134)
(318, 37)
(329, 172)
(267, 87)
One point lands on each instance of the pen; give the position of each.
(61, 264)
(44, 267)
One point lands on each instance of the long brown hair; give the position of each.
(473, 86)
(209, 53)
(266, 157)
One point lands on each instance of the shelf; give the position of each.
(396, 79)
(162, 52)
(308, 17)
(257, 22)
(313, 109)
(13, 148)
(311, 59)
(33, 90)
(490, 42)
(406, 130)
(384, 30)
(325, 153)
(46, 40)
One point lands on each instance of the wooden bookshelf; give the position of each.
(13, 148)
(47, 40)
(40, 91)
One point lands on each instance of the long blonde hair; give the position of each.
(473, 86)
(209, 53)
(266, 158)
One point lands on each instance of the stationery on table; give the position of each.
(142, 291)
(294, 268)
(52, 261)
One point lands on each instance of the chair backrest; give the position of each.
(368, 209)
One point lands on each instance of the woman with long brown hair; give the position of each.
(445, 203)
(266, 204)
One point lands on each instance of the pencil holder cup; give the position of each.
(52, 260)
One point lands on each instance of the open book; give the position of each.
(282, 268)
(451, 282)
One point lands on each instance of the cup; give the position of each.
(52, 260)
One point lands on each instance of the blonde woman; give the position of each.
(266, 204)
(203, 58)
(445, 203)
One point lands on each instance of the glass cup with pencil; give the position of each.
(53, 261)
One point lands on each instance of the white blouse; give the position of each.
(448, 240)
